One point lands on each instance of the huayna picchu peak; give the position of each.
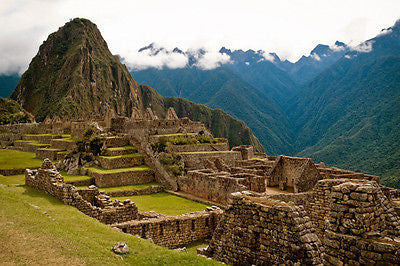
(75, 75)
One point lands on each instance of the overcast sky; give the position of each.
(290, 28)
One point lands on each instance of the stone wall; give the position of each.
(175, 231)
(255, 230)
(363, 227)
(195, 160)
(212, 186)
(199, 147)
(120, 162)
(121, 178)
(89, 201)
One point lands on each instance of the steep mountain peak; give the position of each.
(321, 49)
(75, 75)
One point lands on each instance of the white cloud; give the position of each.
(211, 59)
(267, 56)
(247, 63)
(336, 48)
(364, 47)
(140, 60)
(290, 29)
(385, 31)
(315, 57)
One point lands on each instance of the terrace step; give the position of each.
(155, 138)
(115, 141)
(133, 190)
(199, 147)
(78, 180)
(63, 144)
(116, 151)
(50, 153)
(194, 160)
(121, 161)
(29, 145)
(43, 138)
(121, 176)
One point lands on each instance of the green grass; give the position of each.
(123, 148)
(52, 149)
(130, 187)
(197, 152)
(39, 135)
(122, 156)
(175, 135)
(74, 238)
(192, 247)
(72, 178)
(118, 170)
(13, 159)
(65, 139)
(12, 179)
(164, 203)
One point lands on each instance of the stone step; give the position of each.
(115, 141)
(121, 176)
(50, 153)
(63, 144)
(155, 138)
(29, 145)
(116, 151)
(121, 161)
(194, 160)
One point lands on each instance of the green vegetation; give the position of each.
(123, 148)
(11, 112)
(74, 238)
(194, 140)
(73, 178)
(12, 179)
(130, 187)
(13, 159)
(122, 156)
(118, 170)
(164, 203)
(172, 163)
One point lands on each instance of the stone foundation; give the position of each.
(120, 162)
(195, 160)
(174, 231)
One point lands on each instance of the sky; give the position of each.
(291, 28)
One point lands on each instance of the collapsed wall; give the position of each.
(255, 230)
(89, 201)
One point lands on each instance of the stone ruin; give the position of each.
(278, 210)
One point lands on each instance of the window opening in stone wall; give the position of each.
(178, 229)
(207, 221)
(193, 225)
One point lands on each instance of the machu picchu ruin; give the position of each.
(96, 168)
(262, 209)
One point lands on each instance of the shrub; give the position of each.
(204, 139)
(172, 163)
(95, 145)
(88, 133)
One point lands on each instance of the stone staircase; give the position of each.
(45, 145)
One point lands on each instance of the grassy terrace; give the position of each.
(175, 135)
(13, 159)
(191, 152)
(73, 239)
(123, 148)
(118, 170)
(130, 187)
(12, 180)
(164, 203)
(122, 156)
(33, 142)
(72, 178)
(66, 139)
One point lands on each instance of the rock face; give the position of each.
(75, 75)
(120, 248)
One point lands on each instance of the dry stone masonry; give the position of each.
(278, 210)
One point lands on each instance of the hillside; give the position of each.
(75, 75)
(349, 115)
(11, 112)
(220, 124)
(225, 89)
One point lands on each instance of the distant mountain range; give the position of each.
(340, 104)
